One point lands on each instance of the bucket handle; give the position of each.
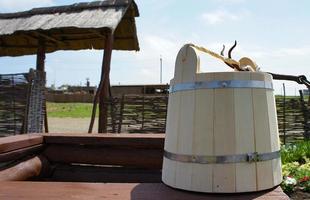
(187, 64)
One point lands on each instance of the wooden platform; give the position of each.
(117, 191)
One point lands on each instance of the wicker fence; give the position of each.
(21, 103)
(13, 100)
(138, 114)
(148, 114)
(293, 119)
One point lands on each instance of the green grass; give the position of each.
(74, 110)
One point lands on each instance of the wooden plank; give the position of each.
(185, 138)
(203, 135)
(117, 191)
(169, 166)
(244, 129)
(150, 141)
(224, 136)
(264, 173)
(78, 173)
(83, 154)
(19, 141)
(189, 63)
(274, 133)
(20, 153)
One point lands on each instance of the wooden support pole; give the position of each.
(284, 114)
(305, 112)
(41, 55)
(105, 79)
(121, 114)
(41, 68)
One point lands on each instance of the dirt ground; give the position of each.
(70, 125)
(300, 196)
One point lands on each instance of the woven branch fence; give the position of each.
(144, 114)
(13, 100)
(293, 119)
(21, 103)
(137, 114)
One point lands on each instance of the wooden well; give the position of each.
(222, 133)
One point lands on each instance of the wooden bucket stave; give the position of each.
(223, 121)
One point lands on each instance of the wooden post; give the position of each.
(121, 114)
(143, 110)
(41, 68)
(284, 114)
(305, 112)
(41, 55)
(105, 79)
(112, 110)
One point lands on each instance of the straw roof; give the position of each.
(74, 27)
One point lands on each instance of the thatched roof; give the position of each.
(75, 27)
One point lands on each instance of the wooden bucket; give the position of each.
(222, 133)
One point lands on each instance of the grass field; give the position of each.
(83, 110)
(72, 110)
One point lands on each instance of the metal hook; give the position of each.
(231, 49)
(223, 50)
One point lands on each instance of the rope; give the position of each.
(228, 61)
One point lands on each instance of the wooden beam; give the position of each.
(31, 37)
(41, 55)
(97, 38)
(74, 34)
(146, 141)
(104, 90)
(126, 157)
(20, 153)
(98, 33)
(50, 38)
(13, 143)
(19, 46)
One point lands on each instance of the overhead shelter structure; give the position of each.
(97, 25)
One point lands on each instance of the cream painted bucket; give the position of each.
(222, 134)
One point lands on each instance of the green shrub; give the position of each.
(297, 152)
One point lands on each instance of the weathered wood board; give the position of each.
(19, 141)
(117, 191)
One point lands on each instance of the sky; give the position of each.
(276, 34)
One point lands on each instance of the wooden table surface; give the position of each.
(117, 191)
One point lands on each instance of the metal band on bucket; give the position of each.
(254, 84)
(241, 158)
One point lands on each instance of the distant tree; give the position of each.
(64, 87)
(53, 87)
